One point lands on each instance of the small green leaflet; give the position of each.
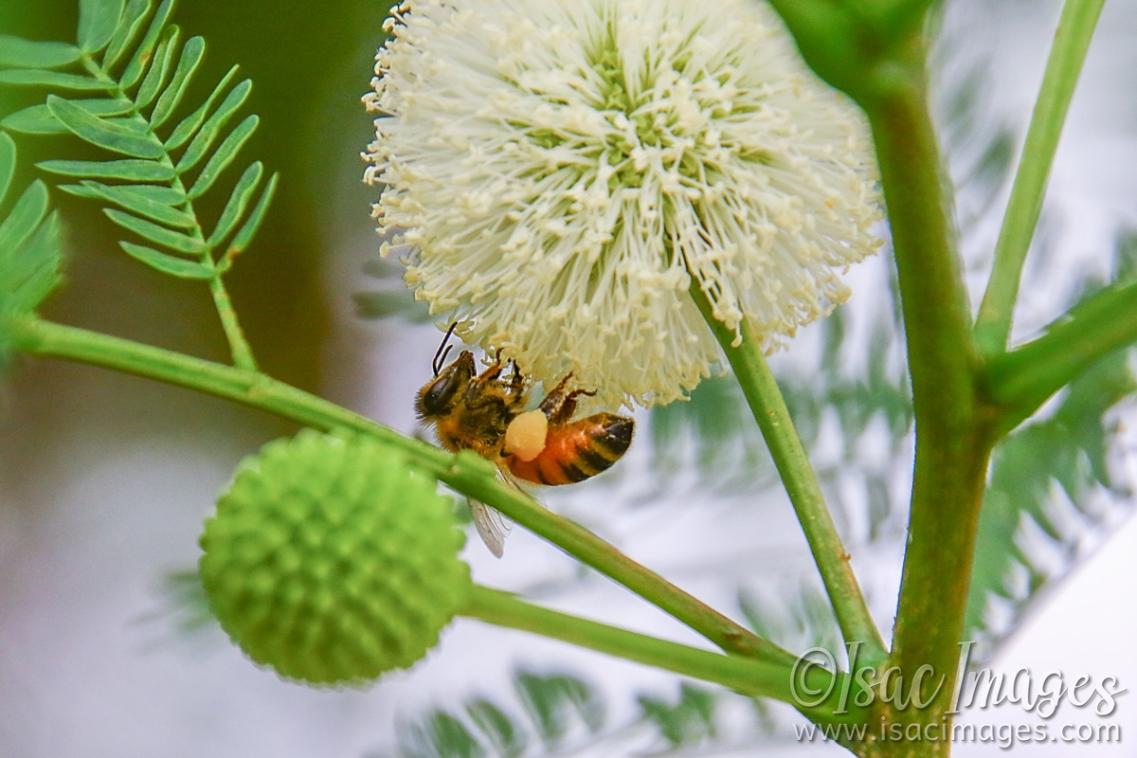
(56, 80)
(149, 201)
(90, 128)
(7, 163)
(224, 155)
(168, 264)
(130, 169)
(238, 201)
(159, 235)
(16, 52)
(192, 54)
(144, 53)
(243, 237)
(24, 217)
(129, 23)
(97, 22)
(200, 145)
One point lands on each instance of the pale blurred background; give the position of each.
(105, 479)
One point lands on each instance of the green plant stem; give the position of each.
(1071, 41)
(467, 472)
(1022, 380)
(238, 345)
(952, 438)
(773, 417)
(744, 675)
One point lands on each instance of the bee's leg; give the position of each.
(559, 405)
(555, 397)
(564, 414)
(515, 392)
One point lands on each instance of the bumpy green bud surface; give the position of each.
(332, 560)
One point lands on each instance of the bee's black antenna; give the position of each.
(443, 350)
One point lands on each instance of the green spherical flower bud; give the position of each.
(333, 560)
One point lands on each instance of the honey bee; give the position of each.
(472, 411)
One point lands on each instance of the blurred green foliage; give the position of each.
(29, 244)
(560, 713)
(1051, 474)
(310, 66)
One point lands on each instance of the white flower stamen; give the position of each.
(553, 171)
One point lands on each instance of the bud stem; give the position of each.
(468, 473)
(750, 677)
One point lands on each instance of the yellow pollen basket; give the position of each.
(525, 435)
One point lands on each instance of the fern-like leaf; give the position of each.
(568, 723)
(161, 165)
(29, 246)
(1045, 497)
(1051, 487)
(689, 721)
(551, 706)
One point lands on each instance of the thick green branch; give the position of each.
(952, 445)
(773, 417)
(1071, 41)
(468, 473)
(880, 61)
(741, 674)
(1020, 381)
(933, 299)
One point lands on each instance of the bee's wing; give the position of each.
(491, 525)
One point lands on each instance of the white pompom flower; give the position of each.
(555, 172)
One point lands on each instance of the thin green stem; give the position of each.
(773, 417)
(1021, 380)
(474, 476)
(744, 675)
(1071, 41)
(466, 472)
(238, 345)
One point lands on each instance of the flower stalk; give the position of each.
(765, 399)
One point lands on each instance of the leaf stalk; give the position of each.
(1063, 67)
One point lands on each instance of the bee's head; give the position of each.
(437, 396)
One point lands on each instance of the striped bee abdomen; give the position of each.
(577, 451)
